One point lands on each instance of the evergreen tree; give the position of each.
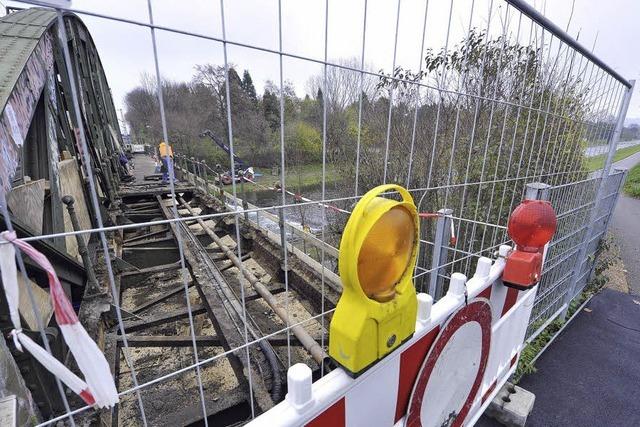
(319, 109)
(271, 109)
(248, 87)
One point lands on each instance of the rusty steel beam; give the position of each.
(159, 319)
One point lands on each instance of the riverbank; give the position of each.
(297, 178)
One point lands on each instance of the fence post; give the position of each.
(193, 171)
(441, 241)
(582, 252)
(199, 176)
(624, 172)
(204, 176)
(537, 191)
(180, 162)
(283, 240)
(245, 204)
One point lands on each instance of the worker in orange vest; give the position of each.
(166, 153)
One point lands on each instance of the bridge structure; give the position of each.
(211, 308)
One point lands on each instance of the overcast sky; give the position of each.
(126, 50)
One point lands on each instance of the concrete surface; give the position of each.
(511, 406)
(625, 226)
(590, 376)
(144, 165)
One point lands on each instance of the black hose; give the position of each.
(276, 380)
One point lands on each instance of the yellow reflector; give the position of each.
(386, 253)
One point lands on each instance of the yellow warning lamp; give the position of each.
(378, 307)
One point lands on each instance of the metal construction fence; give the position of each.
(476, 100)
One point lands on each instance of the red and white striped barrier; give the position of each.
(464, 349)
(99, 389)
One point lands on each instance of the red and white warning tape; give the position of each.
(98, 388)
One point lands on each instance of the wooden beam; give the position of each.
(160, 298)
(186, 341)
(228, 264)
(170, 341)
(154, 269)
(145, 236)
(138, 325)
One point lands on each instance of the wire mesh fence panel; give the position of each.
(223, 273)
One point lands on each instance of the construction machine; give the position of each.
(242, 172)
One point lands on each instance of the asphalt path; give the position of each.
(602, 149)
(625, 227)
(590, 375)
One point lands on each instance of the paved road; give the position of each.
(589, 376)
(625, 225)
(602, 149)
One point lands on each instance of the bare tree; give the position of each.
(343, 84)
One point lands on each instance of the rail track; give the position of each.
(220, 282)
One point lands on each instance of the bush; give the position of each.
(632, 185)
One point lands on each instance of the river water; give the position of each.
(304, 215)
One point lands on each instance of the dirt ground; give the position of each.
(616, 273)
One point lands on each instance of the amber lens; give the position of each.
(385, 253)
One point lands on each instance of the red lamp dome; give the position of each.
(532, 224)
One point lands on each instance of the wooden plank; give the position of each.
(150, 270)
(310, 238)
(26, 202)
(145, 236)
(71, 184)
(42, 300)
(160, 298)
(170, 341)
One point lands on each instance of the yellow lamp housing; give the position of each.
(378, 306)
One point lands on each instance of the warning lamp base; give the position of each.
(356, 374)
(519, 287)
(522, 270)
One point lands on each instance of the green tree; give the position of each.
(271, 109)
(248, 87)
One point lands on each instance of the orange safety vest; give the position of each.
(163, 149)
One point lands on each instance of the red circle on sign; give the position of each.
(478, 311)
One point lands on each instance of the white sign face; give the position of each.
(453, 376)
(8, 408)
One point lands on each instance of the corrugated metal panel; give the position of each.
(19, 35)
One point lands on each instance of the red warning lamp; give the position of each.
(531, 226)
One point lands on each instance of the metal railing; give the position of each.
(464, 115)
